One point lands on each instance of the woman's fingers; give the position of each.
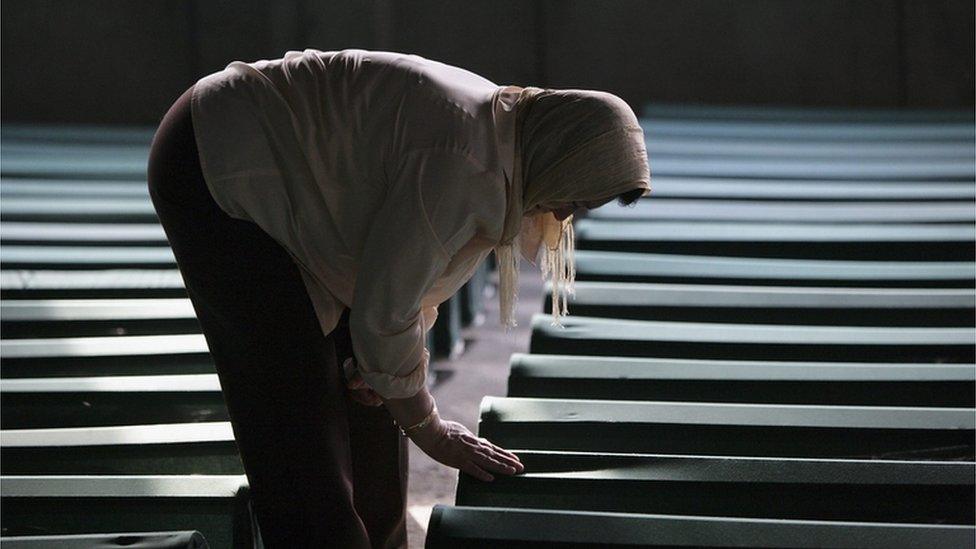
(513, 462)
(488, 452)
(502, 453)
(357, 385)
(493, 463)
(363, 393)
(508, 455)
(477, 472)
(355, 381)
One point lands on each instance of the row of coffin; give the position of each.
(113, 417)
(752, 361)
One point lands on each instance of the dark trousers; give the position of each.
(323, 470)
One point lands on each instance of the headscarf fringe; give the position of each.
(507, 257)
(559, 268)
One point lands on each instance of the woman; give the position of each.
(320, 206)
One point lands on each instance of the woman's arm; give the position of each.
(434, 205)
(410, 244)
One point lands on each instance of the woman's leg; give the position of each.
(379, 462)
(277, 371)
(380, 469)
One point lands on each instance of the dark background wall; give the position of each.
(118, 61)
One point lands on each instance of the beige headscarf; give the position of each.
(570, 145)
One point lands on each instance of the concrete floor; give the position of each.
(459, 386)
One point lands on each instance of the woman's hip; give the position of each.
(173, 171)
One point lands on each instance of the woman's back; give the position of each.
(310, 146)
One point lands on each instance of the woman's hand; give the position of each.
(359, 391)
(452, 444)
(449, 442)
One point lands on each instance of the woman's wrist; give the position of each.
(411, 410)
(421, 426)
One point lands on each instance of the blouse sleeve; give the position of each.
(410, 244)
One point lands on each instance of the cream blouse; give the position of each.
(383, 176)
